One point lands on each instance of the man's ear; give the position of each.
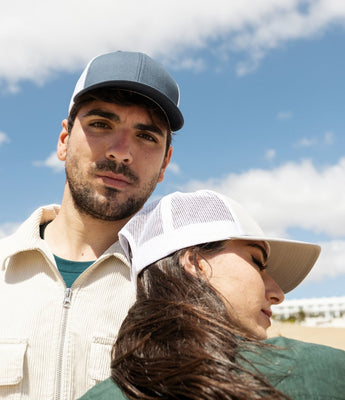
(62, 142)
(166, 161)
(195, 264)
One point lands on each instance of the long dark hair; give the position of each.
(178, 340)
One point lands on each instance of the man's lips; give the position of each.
(114, 180)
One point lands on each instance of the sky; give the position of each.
(262, 93)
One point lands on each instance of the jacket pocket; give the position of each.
(100, 358)
(12, 354)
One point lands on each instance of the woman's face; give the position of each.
(238, 272)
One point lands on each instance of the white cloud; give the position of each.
(8, 228)
(51, 162)
(270, 154)
(305, 142)
(248, 66)
(326, 139)
(174, 168)
(294, 196)
(283, 115)
(189, 63)
(329, 138)
(42, 38)
(330, 263)
(4, 138)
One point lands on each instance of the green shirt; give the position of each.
(106, 390)
(303, 371)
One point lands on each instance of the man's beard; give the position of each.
(106, 207)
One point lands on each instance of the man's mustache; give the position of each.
(116, 168)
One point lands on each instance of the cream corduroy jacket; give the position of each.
(55, 344)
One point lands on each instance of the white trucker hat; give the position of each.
(180, 220)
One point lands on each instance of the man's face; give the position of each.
(114, 157)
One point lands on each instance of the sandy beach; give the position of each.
(330, 336)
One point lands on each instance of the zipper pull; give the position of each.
(67, 298)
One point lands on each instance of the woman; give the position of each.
(206, 277)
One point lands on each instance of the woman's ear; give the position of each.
(195, 264)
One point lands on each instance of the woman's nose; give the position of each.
(273, 291)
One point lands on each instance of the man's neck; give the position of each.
(78, 237)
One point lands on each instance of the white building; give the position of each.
(323, 307)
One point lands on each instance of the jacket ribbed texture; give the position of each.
(48, 350)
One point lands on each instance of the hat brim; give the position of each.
(289, 261)
(172, 112)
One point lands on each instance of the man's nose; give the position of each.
(119, 147)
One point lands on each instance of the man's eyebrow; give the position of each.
(102, 113)
(114, 117)
(262, 248)
(150, 128)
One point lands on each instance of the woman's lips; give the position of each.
(268, 314)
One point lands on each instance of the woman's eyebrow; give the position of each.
(262, 248)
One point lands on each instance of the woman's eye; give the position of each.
(259, 263)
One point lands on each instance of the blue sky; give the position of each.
(262, 92)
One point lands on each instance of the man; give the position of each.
(65, 286)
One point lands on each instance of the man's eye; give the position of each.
(147, 136)
(99, 124)
(259, 263)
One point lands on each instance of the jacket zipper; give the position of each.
(66, 305)
(67, 302)
(68, 297)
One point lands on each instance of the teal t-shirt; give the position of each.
(303, 371)
(69, 270)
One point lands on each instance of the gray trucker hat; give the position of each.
(136, 72)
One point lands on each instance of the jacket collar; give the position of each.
(27, 237)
